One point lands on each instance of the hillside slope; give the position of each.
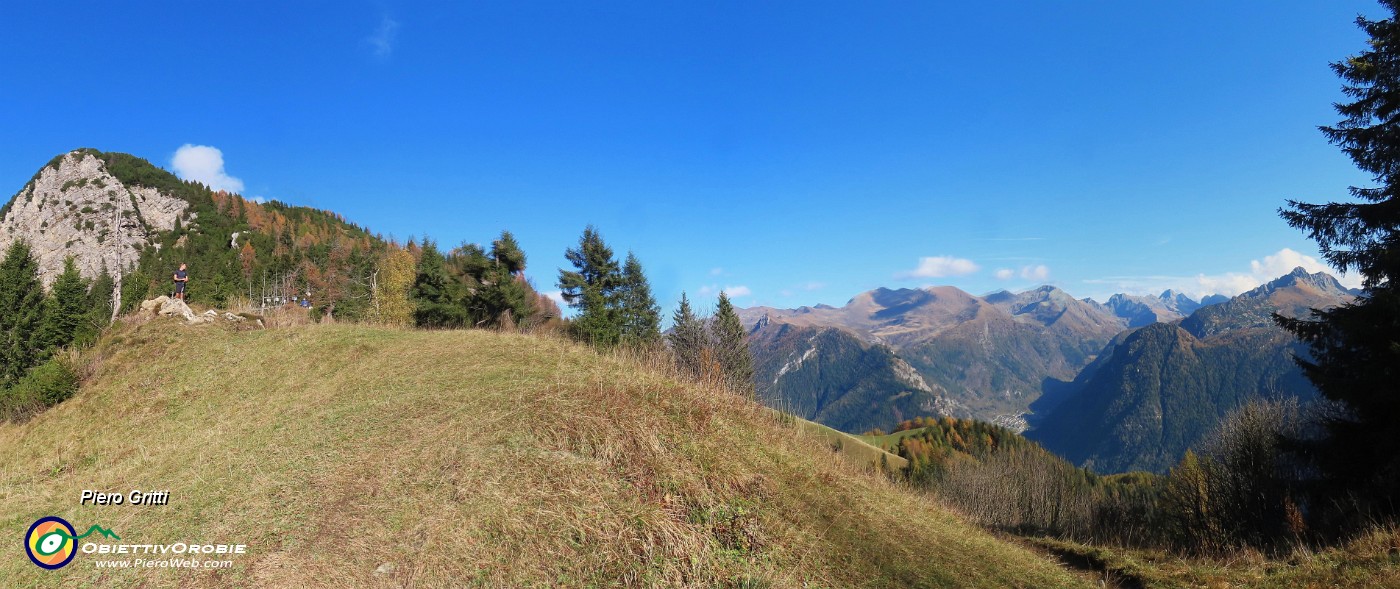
(354, 456)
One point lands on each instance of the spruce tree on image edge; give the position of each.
(1356, 347)
(21, 313)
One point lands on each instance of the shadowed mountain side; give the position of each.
(829, 376)
(1154, 392)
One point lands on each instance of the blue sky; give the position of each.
(795, 153)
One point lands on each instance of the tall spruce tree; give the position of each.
(732, 346)
(66, 309)
(436, 295)
(592, 289)
(689, 339)
(504, 295)
(21, 313)
(641, 316)
(1356, 347)
(99, 305)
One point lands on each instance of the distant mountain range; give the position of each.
(1154, 391)
(1168, 306)
(1077, 369)
(980, 357)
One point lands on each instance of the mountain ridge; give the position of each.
(1156, 390)
(982, 357)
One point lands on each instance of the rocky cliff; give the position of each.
(75, 207)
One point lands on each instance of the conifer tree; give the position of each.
(641, 316)
(21, 313)
(436, 296)
(504, 294)
(689, 339)
(732, 346)
(591, 288)
(66, 309)
(99, 305)
(507, 255)
(1355, 358)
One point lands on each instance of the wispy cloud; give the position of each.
(1037, 272)
(1011, 239)
(939, 267)
(731, 291)
(383, 38)
(716, 271)
(204, 164)
(808, 287)
(1034, 272)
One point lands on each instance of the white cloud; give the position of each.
(1269, 268)
(1227, 283)
(814, 285)
(1284, 261)
(1005, 274)
(939, 267)
(716, 271)
(1037, 272)
(382, 41)
(557, 297)
(204, 164)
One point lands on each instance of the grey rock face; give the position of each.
(79, 209)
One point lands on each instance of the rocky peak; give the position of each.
(762, 322)
(75, 207)
(1321, 281)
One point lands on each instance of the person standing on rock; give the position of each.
(182, 276)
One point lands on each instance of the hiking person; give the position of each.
(181, 277)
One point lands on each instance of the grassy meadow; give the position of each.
(357, 456)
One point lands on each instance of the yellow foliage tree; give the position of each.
(391, 286)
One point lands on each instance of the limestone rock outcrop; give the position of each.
(164, 306)
(75, 207)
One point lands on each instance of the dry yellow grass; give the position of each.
(1369, 561)
(462, 458)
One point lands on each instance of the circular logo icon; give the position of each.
(50, 542)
